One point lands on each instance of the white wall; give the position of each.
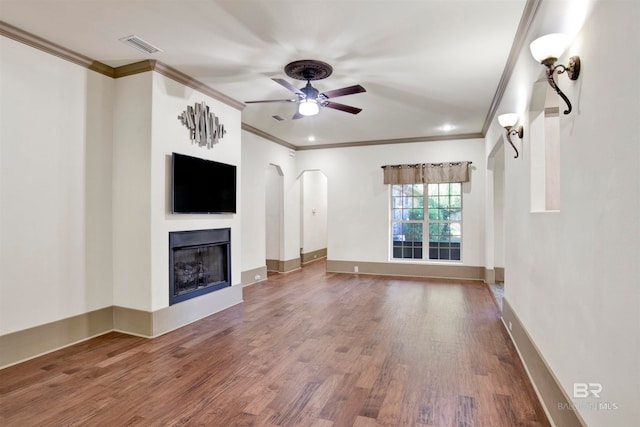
(147, 132)
(258, 154)
(572, 276)
(55, 188)
(85, 187)
(274, 215)
(131, 192)
(170, 135)
(498, 207)
(313, 211)
(358, 224)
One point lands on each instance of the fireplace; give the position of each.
(199, 263)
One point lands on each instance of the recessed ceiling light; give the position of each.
(311, 138)
(447, 127)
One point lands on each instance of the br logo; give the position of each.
(582, 390)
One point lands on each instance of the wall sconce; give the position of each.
(508, 121)
(546, 50)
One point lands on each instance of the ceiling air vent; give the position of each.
(278, 118)
(137, 43)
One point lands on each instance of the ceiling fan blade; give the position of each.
(271, 100)
(342, 107)
(297, 116)
(344, 91)
(289, 86)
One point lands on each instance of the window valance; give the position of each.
(423, 173)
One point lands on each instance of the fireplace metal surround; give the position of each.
(199, 263)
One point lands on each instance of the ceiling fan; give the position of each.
(309, 99)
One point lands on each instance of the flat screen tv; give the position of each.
(202, 186)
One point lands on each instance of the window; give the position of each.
(443, 222)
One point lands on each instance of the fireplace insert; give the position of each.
(199, 263)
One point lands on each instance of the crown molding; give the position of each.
(526, 20)
(36, 42)
(284, 143)
(268, 136)
(392, 141)
(186, 80)
(39, 43)
(134, 68)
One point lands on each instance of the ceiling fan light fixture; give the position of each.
(308, 107)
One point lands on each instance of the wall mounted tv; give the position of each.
(202, 186)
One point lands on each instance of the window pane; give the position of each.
(455, 202)
(455, 229)
(456, 188)
(455, 214)
(433, 213)
(416, 214)
(432, 189)
(443, 189)
(397, 214)
(433, 231)
(412, 190)
(414, 232)
(433, 202)
(397, 231)
(397, 202)
(443, 201)
(396, 190)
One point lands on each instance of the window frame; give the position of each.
(426, 223)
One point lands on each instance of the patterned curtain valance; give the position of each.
(423, 173)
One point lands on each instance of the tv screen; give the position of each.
(202, 186)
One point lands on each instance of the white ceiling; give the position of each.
(425, 64)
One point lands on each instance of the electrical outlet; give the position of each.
(258, 277)
(355, 269)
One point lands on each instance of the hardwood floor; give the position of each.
(308, 349)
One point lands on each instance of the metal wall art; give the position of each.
(204, 126)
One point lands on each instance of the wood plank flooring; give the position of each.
(304, 349)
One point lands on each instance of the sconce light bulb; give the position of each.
(549, 46)
(508, 120)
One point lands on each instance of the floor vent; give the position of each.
(137, 43)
